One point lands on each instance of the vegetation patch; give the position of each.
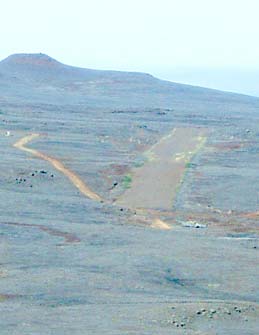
(2, 298)
(140, 163)
(126, 181)
(190, 165)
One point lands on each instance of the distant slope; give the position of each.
(38, 78)
(238, 80)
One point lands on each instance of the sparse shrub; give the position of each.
(126, 181)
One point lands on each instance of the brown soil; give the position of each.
(72, 176)
(68, 237)
(155, 184)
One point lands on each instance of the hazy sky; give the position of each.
(155, 36)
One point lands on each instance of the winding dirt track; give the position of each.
(76, 180)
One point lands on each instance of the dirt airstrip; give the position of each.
(155, 184)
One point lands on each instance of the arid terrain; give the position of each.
(129, 205)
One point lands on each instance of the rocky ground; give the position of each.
(70, 264)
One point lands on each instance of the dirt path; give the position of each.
(76, 180)
(68, 237)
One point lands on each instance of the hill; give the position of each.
(39, 77)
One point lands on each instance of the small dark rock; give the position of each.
(238, 310)
(213, 311)
(161, 113)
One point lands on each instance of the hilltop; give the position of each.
(39, 59)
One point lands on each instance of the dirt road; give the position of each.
(73, 177)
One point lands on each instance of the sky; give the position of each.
(202, 42)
